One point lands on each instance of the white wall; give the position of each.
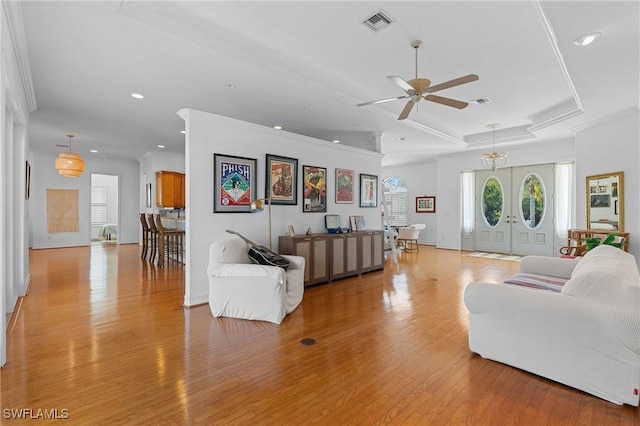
(612, 146)
(420, 180)
(16, 103)
(442, 179)
(44, 175)
(208, 134)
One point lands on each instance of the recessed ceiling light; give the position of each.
(160, 146)
(137, 96)
(231, 86)
(336, 141)
(93, 150)
(401, 139)
(184, 132)
(586, 39)
(277, 127)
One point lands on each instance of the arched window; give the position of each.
(395, 199)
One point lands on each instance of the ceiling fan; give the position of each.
(420, 88)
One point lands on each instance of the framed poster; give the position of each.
(234, 183)
(425, 204)
(344, 186)
(281, 183)
(315, 189)
(368, 190)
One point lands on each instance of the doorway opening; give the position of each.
(104, 209)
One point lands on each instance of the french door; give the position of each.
(514, 210)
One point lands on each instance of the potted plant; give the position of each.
(612, 240)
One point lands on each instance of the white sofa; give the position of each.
(239, 288)
(586, 336)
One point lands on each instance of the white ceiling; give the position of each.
(306, 64)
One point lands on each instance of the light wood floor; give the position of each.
(104, 335)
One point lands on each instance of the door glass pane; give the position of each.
(492, 201)
(532, 199)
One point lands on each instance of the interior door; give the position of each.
(532, 192)
(505, 202)
(493, 211)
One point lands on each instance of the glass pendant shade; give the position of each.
(494, 159)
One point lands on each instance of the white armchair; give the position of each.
(408, 236)
(239, 288)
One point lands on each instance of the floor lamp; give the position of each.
(257, 205)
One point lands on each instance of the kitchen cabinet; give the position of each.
(170, 189)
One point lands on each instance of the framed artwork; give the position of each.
(148, 188)
(357, 223)
(368, 190)
(27, 180)
(425, 204)
(315, 189)
(601, 200)
(281, 183)
(234, 183)
(344, 186)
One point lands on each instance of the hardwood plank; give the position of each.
(104, 335)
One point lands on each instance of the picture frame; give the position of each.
(600, 200)
(315, 189)
(426, 204)
(234, 183)
(281, 180)
(344, 186)
(148, 190)
(368, 190)
(27, 180)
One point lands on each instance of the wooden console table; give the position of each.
(576, 237)
(333, 256)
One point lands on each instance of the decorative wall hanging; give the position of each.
(368, 190)
(234, 183)
(315, 189)
(62, 211)
(344, 186)
(425, 204)
(281, 183)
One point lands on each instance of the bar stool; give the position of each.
(146, 235)
(169, 242)
(154, 236)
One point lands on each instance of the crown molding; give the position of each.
(606, 119)
(15, 21)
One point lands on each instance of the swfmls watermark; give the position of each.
(35, 413)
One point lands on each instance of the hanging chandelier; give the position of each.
(494, 159)
(69, 164)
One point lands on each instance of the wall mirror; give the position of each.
(605, 201)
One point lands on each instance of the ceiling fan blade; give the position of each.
(403, 84)
(446, 101)
(452, 83)
(407, 109)
(382, 100)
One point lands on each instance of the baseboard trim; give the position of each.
(14, 318)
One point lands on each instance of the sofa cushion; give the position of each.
(231, 250)
(602, 266)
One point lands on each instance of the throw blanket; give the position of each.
(538, 282)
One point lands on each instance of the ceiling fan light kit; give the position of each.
(69, 164)
(494, 159)
(421, 88)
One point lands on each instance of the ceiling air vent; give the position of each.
(481, 101)
(378, 21)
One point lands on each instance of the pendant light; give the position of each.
(69, 164)
(494, 159)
